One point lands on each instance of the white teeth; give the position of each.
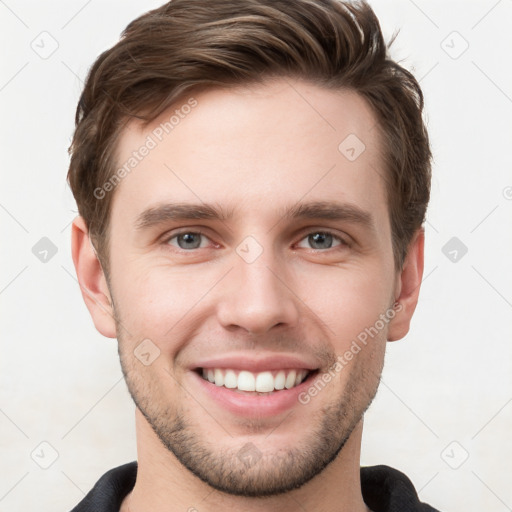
(290, 379)
(246, 381)
(230, 380)
(219, 377)
(280, 380)
(263, 382)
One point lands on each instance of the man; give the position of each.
(252, 178)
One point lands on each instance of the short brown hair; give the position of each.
(187, 45)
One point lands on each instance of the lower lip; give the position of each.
(253, 406)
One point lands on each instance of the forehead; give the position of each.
(253, 149)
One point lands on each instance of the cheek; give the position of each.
(153, 302)
(349, 301)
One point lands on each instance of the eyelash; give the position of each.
(343, 242)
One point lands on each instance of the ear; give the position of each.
(408, 287)
(91, 278)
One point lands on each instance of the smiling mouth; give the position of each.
(261, 383)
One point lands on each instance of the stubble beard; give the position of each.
(261, 474)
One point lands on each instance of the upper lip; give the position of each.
(256, 363)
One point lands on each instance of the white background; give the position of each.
(449, 380)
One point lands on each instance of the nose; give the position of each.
(256, 296)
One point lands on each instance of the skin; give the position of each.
(254, 151)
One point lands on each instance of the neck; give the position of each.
(164, 484)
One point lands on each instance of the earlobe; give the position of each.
(408, 287)
(91, 278)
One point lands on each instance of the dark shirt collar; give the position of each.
(384, 489)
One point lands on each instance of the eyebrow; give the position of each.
(320, 210)
(180, 211)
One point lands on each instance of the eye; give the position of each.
(323, 240)
(317, 240)
(188, 240)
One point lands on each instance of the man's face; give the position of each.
(263, 296)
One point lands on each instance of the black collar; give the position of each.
(384, 489)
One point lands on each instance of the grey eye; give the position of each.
(321, 240)
(188, 240)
